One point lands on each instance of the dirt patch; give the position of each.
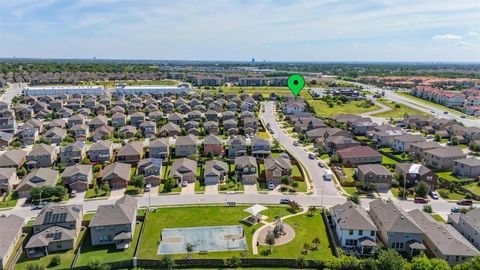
(287, 236)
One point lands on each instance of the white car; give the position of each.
(434, 195)
(184, 183)
(148, 187)
(271, 186)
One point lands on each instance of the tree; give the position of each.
(437, 138)
(427, 209)
(473, 264)
(21, 172)
(233, 262)
(311, 210)
(368, 264)
(270, 240)
(97, 168)
(354, 198)
(316, 243)
(301, 262)
(106, 187)
(423, 263)
(169, 184)
(294, 207)
(138, 181)
(166, 262)
(454, 140)
(59, 191)
(345, 262)
(97, 265)
(68, 139)
(422, 189)
(334, 159)
(390, 260)
(276, 143)
(55, 261)
(210, 154)
(189, 249)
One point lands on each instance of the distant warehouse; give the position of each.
(60, 90)
(151, 89)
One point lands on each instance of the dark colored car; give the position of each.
(465, 202)
(420, 200)
(285, 200)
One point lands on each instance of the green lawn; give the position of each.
(178, 217)
(66, 258)
(199, 187)
(388, 161)
(438, 218)
(349, 172)
(306, 229)
(398, 112)
(451, 195)
(473, 187)
(175, 189)
(11, 200)
(101, 193)
(321, 108)
(396, 192)
(296, 171)
(263, 135)
(449, 177)
(350, 190)
(231, 186)
(106, 253)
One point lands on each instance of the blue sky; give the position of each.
(275, 30)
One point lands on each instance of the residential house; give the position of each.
(334, 143)
(28, 135)
(8, 179)
(186, 146)
(117, 175)
(43, 177)
(443, 158)
(314, 134)
(215, 172)
(260, 147)
(375, 174)
(354, 228)
(131, 152)
(170, 130)
(359, 155)
(442, 240)
(137, 118)
(418, 149)
(159, 148)
(402, 143)
(175, 118)
(211, 128)
(396, 229)
(72, 153)
(5, 139)
(277, 167)
(80, 132)
(211, 115)
(468, 225)
(56, 135)
(413, 173)
(101, 151)
(212, 144)
(97, 122)
(77, 119)
(8, 125)
(362, 126)
(77, 177)
(119, 120)
(11, 228)
(293, 107)
(114, 223)
(246, 169)
(56, 228)
(468, 168)
(237, 146)
(41, 156)
(230, 126)
(184, 170)
(151, 168)
(102, 133)
(127, 132)
(13, 159)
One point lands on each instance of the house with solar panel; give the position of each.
(56, 228)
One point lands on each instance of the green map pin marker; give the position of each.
(296, 83)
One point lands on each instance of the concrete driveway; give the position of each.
(250, 189)
(211, 189)
(189, 189)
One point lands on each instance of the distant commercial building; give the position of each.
(252, 81)
(62, 90)
(151, 89)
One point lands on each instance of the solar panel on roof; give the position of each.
(48, 217)
(57, 236)
(63, 217)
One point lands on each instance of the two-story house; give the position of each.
(77, 177)
(186, 146)
(101, 151)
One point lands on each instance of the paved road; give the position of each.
(12, 90)
(421, 106)
(316, 173)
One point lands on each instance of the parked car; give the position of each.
(148, 187)
(445, 112)
(320, 164)
(432, 111)
(429, 137)
(420, 200)
(285, 200)
(463, 116)
(311, 156)
(465, 202)
(434, 195)
(295, 143)
(184, 183)
(73, 194)
(271, 186)
(455, 209)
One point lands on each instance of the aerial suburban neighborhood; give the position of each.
(340, 135)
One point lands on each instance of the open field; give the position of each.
(178, 217)
(398, 112)
(322, 110)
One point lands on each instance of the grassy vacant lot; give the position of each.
(398, 112)
(473, 187)
(451, 195)
(106, 253)
(449, 177)
(199, 216)
(306, 229)
(66, 258)
(322, 110)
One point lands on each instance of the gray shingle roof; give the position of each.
(75, 169)
(12, 158)
(124, 211)
(392, 217)
(352, 217)
(9, 227)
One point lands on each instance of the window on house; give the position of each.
(350, 232)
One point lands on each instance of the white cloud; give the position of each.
(446, 37)
(463, 44)
(473, 34)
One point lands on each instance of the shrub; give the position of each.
(55, 261)
(35, 266)
(233, 262)
(422, 189)
(427, 209)
(166, 262)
